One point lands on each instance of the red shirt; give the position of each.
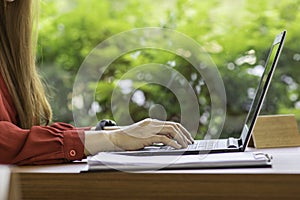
(57, 143)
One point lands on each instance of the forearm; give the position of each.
(98, 141)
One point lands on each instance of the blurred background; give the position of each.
(237, 34)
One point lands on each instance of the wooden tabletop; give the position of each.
(69, 181)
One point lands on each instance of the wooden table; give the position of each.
(282, 181)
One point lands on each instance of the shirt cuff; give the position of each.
(74, 144)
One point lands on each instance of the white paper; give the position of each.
(112, 160)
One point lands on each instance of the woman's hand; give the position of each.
(138, 136)
(149, 131)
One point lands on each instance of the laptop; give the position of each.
(230, 144)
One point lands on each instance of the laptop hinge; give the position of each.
(232, 143)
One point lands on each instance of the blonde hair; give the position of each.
(17, 62)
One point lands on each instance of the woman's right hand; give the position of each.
(138, 136)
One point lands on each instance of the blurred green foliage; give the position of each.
(237, 35)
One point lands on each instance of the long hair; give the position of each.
(18, 39)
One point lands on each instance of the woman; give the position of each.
(25, 136)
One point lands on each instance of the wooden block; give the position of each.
(276, 131)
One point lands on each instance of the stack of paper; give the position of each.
(114, 161)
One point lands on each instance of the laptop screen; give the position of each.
(263, 86)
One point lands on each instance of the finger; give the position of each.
(164, 140)
(182, 130)
(185, 132)
(182, 134)
(177, 125)
(168, 130)
(178, 131)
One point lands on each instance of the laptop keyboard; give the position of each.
(203, 145)
(198, 145)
